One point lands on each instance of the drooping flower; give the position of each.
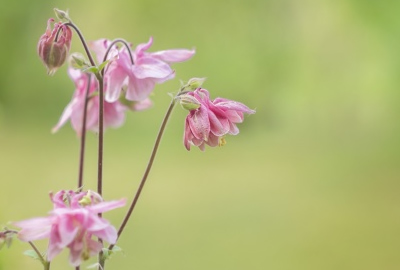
(71, 224)
(140, 76)
(54, 45)
(114, 112)
(208, 120)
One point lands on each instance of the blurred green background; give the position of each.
(312, 180)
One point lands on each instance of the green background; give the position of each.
(311, 181)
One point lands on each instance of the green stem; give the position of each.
(45, 263)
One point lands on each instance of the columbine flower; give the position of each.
(53, 49)
(71, 224)
(210, 120)
(140, 77)
(114, 112)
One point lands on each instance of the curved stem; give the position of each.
(83, 42)
(83, 135)
(101, 133)
(146, 173)
(125, 43)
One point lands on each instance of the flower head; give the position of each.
(139, 72)
(210, 120)
(71, 224)
(114, 112)
(54, 45)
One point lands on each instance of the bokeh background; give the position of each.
(312, 180)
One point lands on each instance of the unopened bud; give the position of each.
(61, 14)
(54, 45)
(193, 84)
(189, 102)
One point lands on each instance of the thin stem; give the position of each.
(70, 23)
(83, 135)
(45, 263)
(101, 133)
(146, 173)
(125, 43)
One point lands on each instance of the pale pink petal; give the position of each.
(114, 114)
(213, 140)
(176, 55)
(219, 126)
(141, 48)
(226, 104)
(34, 229)
(67, 227)
(151, 68)
(234, 130)
(142, 105)
(108, 234)
(99, 47)
(64, 116)
(139, 89)
(114, 80)
(106, 206)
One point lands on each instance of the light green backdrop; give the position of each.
(312, 180)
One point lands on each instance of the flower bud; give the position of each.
(194, 83)
(189, 102)
(54, 45)
(61, 14)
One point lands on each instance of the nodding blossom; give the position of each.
(71, 224)
(114, 112)
(138, 70)
(209, 120)
(54, 45)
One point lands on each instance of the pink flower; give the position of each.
(53, 52)
(71, 224)
(141, 76)
(114, 112)
(209, 121)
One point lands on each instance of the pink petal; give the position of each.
(34, 229)
(99, 47)
(139, 89)
(151, 68)
(177, 55)
(141, 48)
(199, 123)
(108, 234)
(114, 79)
(106, 206)
(114, 114)
(226, 104)
(64, 116)
(187, 136)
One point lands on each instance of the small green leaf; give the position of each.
(31, 253)
(91, 69)
(103, 65)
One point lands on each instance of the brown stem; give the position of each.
(146, 173)
(83, 135)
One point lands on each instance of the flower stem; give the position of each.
(147, 171)
(101, 133)
(83, 134)
(45, 263)
(70, 23)
(125, 43)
